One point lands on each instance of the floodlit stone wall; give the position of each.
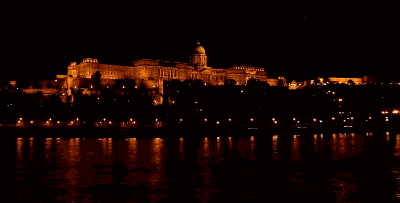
(154, 72)
(357, 81)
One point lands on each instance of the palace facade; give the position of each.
(154, 72)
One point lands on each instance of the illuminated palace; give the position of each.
(154, 72)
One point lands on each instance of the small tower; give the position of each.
(199, 58)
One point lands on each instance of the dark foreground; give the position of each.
(227, 166)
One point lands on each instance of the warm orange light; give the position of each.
(217, 122)
(333, 118)
(180, 119)
(205, 119)
(251, 119)
(395, 111)
(230, 119)
(294, 119)
(314, 119)
(275, 122)
(273, 119)
(20, 119)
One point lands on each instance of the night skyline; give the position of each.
(291, 45)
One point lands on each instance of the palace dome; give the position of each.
(200, 49)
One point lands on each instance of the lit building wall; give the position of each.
(357, 81)
(154, 72)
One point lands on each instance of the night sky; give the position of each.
(41, 41)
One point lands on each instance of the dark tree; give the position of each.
(281, 83)
(48, 85)
(350, 82)
(230, 82)
(96, 79)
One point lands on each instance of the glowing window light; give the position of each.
(273, 119)
(314, 119)
(275, 122)
(104, 119)
(180, 119)
(109, 122)
(58, 122)
(298, 121)
(217, 122)
(134, 122)
(320, 121)
(31, 122)
(294, 119)
(205, 119)
(333, 118)
(230, 120)
(251, 119)
(131, 119)
(395, 111)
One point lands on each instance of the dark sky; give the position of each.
(41, 42)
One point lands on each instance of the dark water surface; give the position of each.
(250, 167)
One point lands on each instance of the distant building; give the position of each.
(357, 81)
(154, 72)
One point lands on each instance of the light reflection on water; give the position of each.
(78, 166)
(295, 152)
(275, 147)
(397, 146)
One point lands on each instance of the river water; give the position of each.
(252, 167)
